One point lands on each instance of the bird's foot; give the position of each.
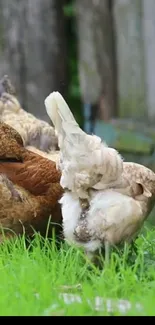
(95, 259)
(107, 253)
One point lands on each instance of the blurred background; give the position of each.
(100, 54)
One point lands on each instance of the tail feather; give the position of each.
(62, 118)
(85, 160)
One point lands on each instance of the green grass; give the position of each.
(32, 279)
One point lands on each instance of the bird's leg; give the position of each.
(134, 248)
(107, 252)
(93, 258)
(90, 255)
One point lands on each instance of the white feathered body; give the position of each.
(112, 217)
(119, 194)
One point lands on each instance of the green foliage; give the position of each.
(69, 9)
(73, 96)
(36, 278)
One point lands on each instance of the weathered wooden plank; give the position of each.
(34, 50)
(149, 50)
(96, 55)
(130, 58)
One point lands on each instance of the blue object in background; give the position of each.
(87, 118)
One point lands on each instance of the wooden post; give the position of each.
(130, 58)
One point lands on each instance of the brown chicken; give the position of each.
(29, 187)
(34, 132)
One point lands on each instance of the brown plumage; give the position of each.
(34, 132)
(29, 185)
